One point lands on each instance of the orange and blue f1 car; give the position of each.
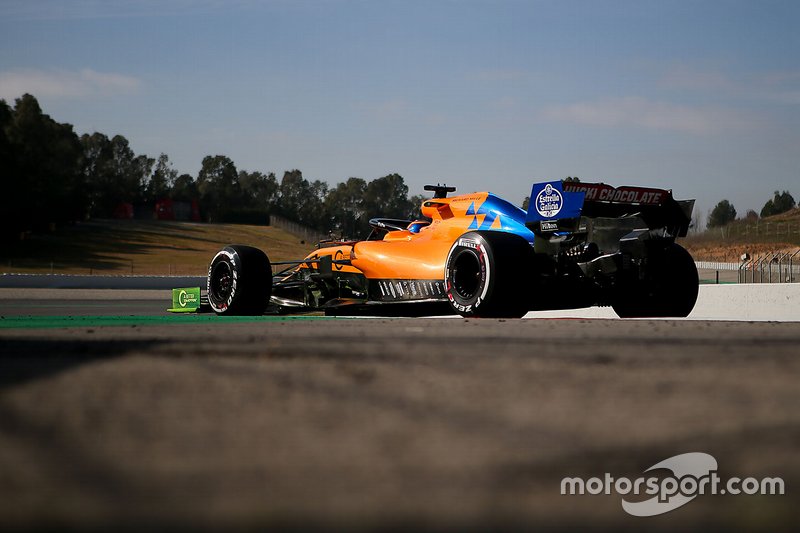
(477, 255)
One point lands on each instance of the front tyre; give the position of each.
(239, 281)
(486, 275)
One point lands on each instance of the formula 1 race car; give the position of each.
(476, 255)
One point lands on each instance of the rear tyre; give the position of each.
(669, 289)
(239, 281)
(487, 275)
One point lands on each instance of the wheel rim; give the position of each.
(466, 275)
(221, 282)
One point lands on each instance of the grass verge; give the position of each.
(141, 247)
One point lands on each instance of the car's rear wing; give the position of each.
(557, 206)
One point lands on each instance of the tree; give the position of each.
(259, 191)
(387, 197)
(416, 202)
(51, 175)
(162, 180)
(129, 173)
(114, 173)
(526, 202)
(141, 170)
(42, 183)
(722, 214)
(12, 183)
(302, 201)
(293, 194)
(185, 189)
(780, 203)
(313, 211)
(218, 185)
(345, 207)
(96, 171)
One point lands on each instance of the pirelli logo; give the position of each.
(390, 290)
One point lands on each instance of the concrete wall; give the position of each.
(759, 302)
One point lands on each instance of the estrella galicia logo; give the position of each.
(549, 201)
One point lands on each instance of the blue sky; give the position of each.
(700, 97)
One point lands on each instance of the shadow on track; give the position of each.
(26, 360)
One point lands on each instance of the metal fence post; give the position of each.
(791, 266)
(781, 257)
(769, 266)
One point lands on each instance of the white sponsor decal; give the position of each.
(184, 298)
(548, 202)
(549, 226)
(692, 474)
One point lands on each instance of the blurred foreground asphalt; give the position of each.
(389, 423)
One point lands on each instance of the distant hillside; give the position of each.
(793, 215)
(754, 237)
(185, 248)
(142, 247)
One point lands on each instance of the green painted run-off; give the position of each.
(40, 322)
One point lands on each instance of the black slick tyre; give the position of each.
(239, 281)
(487, 275)
(669, 288)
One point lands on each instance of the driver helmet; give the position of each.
(417, 225)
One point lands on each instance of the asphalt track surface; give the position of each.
(113, 414)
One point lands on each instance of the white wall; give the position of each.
(752, 301)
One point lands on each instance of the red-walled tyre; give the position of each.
(487, 275)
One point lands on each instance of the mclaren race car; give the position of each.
(477, 255)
